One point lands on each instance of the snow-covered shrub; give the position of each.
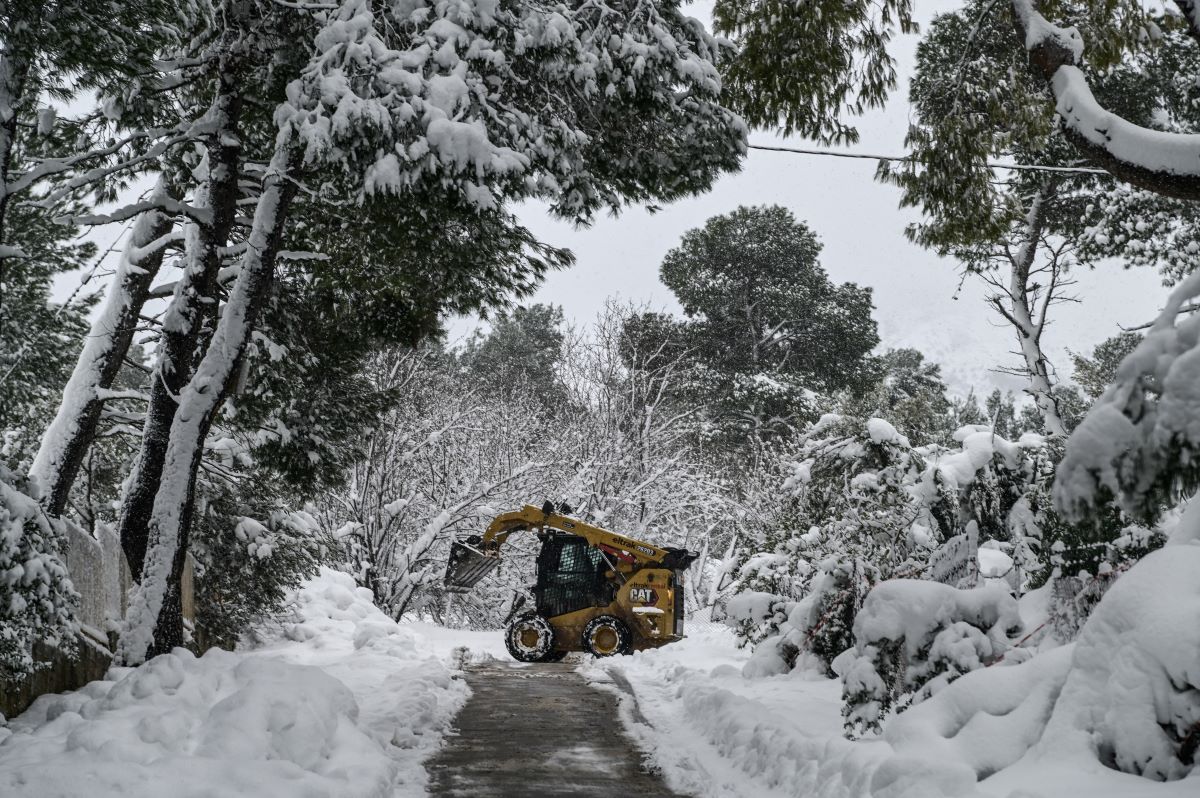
(37, 600)
(853, 515)
(912, 638)
(852, 484)
(1083, 573)
(755, 615)
(818, 625)
(1001, 486)
(1132, 697)
(249, 566)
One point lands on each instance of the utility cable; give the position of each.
(1021, 167)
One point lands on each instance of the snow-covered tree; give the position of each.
(910, 393)
(1024, 233)
(766, 326)
(446, 458)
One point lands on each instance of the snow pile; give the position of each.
(337, 702)
(1132, 697)
(221, 723)
(986, 720)
(1038, 729)
(714, 733)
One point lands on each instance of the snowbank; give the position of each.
(714, 733)
(987, 719)
(221, 723)
(337, 701)
(1135, 675)
(1058, 723)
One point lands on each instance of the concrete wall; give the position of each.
(100, 573)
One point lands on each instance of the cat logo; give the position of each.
(643, 595)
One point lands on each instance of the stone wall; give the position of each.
(100, 574)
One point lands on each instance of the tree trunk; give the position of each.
(199, 401)
(66, 441)
(193, 304)
(1022, 315)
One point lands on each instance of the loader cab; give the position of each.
(571, 576)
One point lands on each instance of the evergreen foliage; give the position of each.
(766, 328)
(37, 599)
(806, 69)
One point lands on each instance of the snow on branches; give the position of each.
(912, 638)
(515, 100)
(867, 507)
(1137, 444)
(37, 599)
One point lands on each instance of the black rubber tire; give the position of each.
(596, 626)
(544, 648)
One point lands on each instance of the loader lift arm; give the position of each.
(475, 558)
(530, 517)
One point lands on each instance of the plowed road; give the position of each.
(538, 730)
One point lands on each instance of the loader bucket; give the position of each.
(467, 566)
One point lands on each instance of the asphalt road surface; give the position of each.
(538, 730)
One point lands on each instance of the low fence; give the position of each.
(100, 573)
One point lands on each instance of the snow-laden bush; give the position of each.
(853, 487)
(818, 625)
(37, 599)
(1001, 486)
(912, 638)
(248, 567)
(1083, 573)
(865, 505)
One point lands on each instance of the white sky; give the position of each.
(858, 220)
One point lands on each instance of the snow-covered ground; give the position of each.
(336, 701)
(717, 734)
(340, 701)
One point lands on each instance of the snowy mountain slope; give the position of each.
(337, 701)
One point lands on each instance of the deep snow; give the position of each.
(338, 700)
(718, 734)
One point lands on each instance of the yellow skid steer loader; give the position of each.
(596, 591)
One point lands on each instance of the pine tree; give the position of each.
(766, 327)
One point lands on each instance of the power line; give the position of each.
(1020, 167)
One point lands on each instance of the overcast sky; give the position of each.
(917, 297)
